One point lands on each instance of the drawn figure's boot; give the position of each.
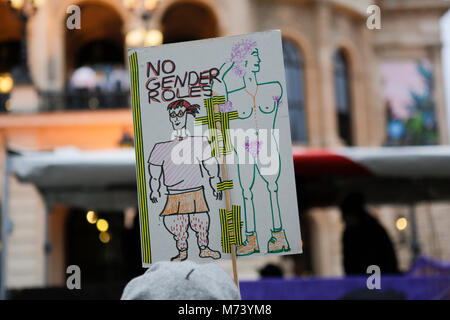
(278, 242)
(249, 246)
(207, 252)
(182, 255)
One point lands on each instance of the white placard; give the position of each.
(198, 106)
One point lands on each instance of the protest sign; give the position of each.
(213, 149)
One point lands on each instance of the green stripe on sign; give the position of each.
(140, 164)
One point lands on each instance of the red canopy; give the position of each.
(316, 162)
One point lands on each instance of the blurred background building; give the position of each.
(66, 85)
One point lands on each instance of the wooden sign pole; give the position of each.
(227, 203)
(228, 206)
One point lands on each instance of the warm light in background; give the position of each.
(104, 237)
(148, 4)
(6, 83)
(129, 4)
(141, 37)
(135, 37)
(39, 3)
(151, 4)
(153, 37)
(8, 105)
(401, 223)
(17, 4)
(91, 217)
(102, 225)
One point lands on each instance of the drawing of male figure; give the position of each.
(186, 205)
(257, 104)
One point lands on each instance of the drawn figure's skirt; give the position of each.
(185, 202)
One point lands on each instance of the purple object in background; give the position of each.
(392, 287)
(427, 280)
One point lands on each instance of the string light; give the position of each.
(104, 237)
(91, 217)
(102, 225)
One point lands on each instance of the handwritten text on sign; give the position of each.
(164, 85)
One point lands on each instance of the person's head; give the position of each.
(178, 111)
(184, 280)
(353, 208)
(271, 270)
(245, 57)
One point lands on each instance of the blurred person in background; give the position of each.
(270, 270)
(365, 242)
(118, 79)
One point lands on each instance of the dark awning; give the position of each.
(389, 175)
(385, 175)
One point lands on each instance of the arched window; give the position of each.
(10, 52)
(295, 82)
(185, 21)
(343, 101)
(95, 61)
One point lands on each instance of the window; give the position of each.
(9, 61)
(95, 62)
(201, 24)
(343, 104)
(295, 82)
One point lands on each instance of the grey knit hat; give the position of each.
(184, 280)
